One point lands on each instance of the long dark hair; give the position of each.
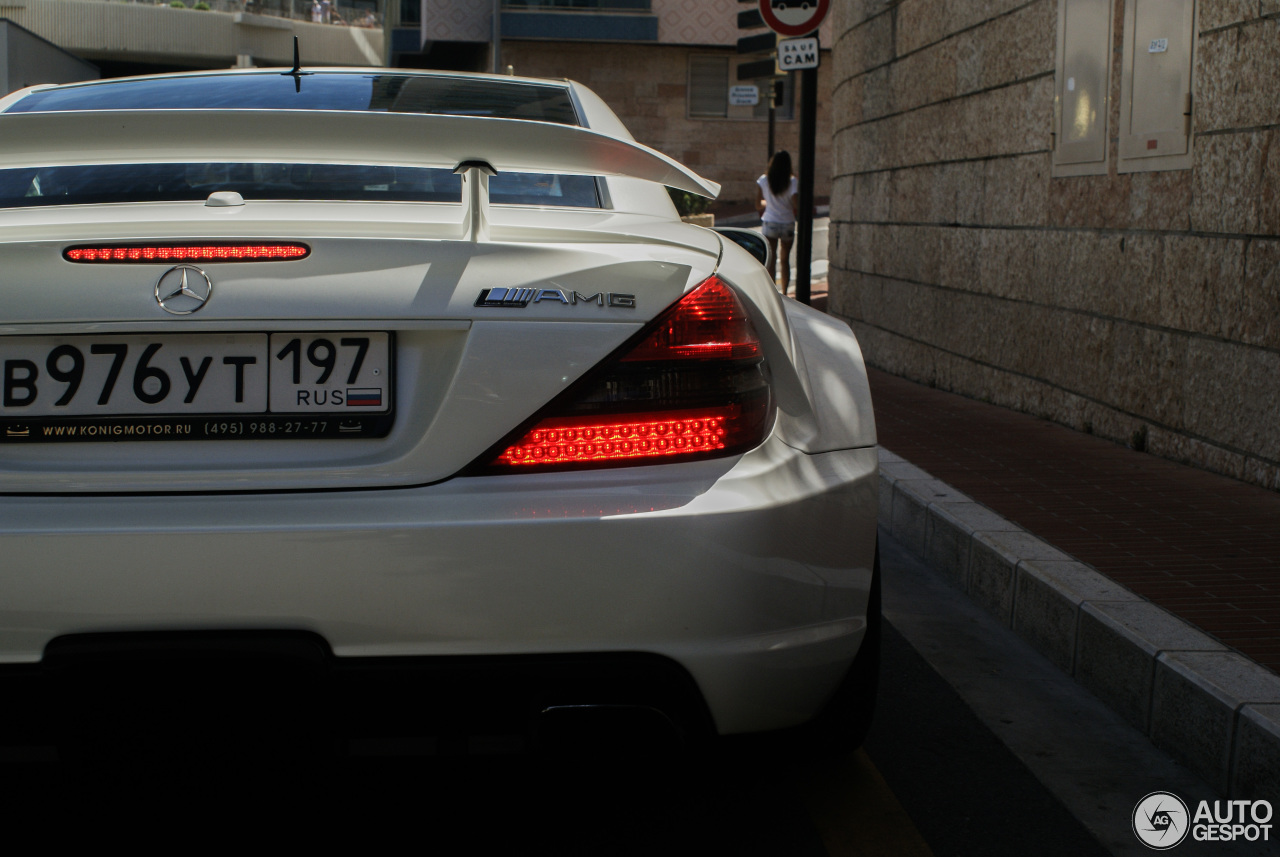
(779, 172)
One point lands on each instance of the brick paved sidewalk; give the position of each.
(1202, 546)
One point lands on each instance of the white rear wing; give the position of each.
(335, 137)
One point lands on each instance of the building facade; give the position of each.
(665, 66)
(1071, 208)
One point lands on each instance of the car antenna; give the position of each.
(296, 72)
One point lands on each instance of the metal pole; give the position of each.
(808, 149)
(773, 112)
(497, 36)
(390, 20)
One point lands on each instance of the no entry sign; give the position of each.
(793, 17)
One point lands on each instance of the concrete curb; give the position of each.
(1212, 709)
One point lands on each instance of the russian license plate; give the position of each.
(196, 386)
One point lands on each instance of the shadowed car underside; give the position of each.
(200, 696)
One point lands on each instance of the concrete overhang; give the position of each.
(98, 30)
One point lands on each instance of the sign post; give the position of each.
(775, 95)
(766, 69)
(791, 19)
(808, 150)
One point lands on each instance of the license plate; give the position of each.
(196, 386)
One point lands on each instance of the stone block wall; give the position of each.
(1144, 307)
(648, 87)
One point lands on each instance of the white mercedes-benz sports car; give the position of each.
(400, 405)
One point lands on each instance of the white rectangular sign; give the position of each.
(794, 54)
(744, 95)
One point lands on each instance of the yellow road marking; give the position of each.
(856, 813)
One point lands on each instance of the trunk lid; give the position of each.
(465, 370)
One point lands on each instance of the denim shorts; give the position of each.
(779, 230)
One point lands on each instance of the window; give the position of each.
(109, 183)
(711, 77)
(641, 5)
(785, 106)
(708, 86)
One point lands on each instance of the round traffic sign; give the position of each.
(793, 17)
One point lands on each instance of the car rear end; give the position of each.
(408, 482)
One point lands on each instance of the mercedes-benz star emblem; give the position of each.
(183, 290)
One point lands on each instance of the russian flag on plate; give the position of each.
(364, 397)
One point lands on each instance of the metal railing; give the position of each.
(348, 13)
(579, 5)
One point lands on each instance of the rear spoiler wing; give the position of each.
(328, 136)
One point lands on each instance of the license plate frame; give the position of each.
(294, 385)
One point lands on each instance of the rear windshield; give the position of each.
(103, 183)
(387, 93)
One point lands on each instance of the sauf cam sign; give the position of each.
(795, 54)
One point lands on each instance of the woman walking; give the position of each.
(776, 198)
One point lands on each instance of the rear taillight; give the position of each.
(692, 384)
(189, 252)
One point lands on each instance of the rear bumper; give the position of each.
(174, 694)
(751, 573)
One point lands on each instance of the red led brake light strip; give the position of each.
(188, 253)
(620, 440)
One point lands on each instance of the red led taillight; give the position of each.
(708, 323)
(692, 385)
(564, 441)
(244, 252)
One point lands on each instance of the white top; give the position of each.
(777, 209)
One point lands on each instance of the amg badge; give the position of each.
(524, 297)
